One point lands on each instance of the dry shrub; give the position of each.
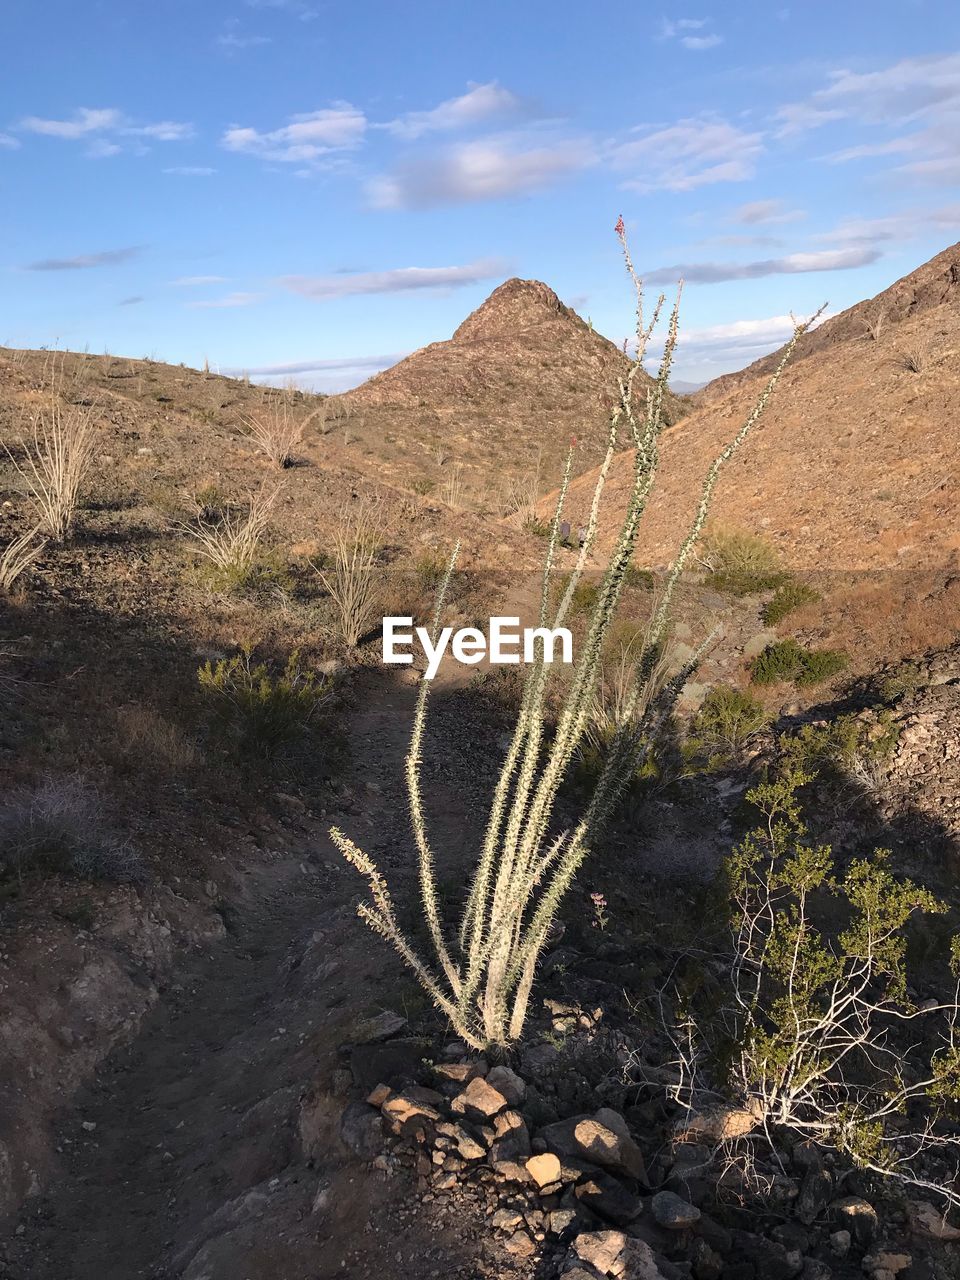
(19, 555)
(231, 543)
(153, 741)
(276, 431)
(351, 578)
(57, 463)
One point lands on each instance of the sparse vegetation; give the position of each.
(276, 431)
(740, 563)
(350, 578)
(57, 463)
(914, 359)
(813, 1028)
(788, 661)
(230, 543)
(790, 595)
(58, 826)
(257, 710)
(482, 979)
(728, 720)
(18, 555)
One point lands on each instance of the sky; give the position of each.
(307, 190)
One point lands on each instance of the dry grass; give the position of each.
(151, 738)
(232, 543)
(350, 579)
(875, 326)
(57, 463)
(18, 556)
(276, 431)
(916, 358)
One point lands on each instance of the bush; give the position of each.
(788, 596)
(740, 563)
(788, 661)
(259, 711)
(848, 745)
(725, 723)
(58, 826)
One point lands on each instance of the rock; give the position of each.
(467, 1145)
(840, 1243)
(929, 1221)
(479, 1100)
(609, 1198)
(537, 1059)
(361, 1129)
(605, 1140)
(814, 1269)
(457, 1073)
(706, 1264)
(859, 1217)
(562, 1220)
(717, 1125)
(816, 1192)
(891, 1263)
(520, 1245)
(544, 1169)
(673, 1213)
(384, 1026)
(770, 1260)
(378, 1096)
(507, 1219)
(410, 1108)
(600, 1249)
(508, 1083)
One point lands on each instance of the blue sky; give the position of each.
(311, 188)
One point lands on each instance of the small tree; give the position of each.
(817, 1033)
(483, 975)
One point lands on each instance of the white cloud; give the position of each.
(480, 103)
(191, 282)
(398, 280)
(343, 364)
(765, 213)
(692, 153)
(231, 300)
(899, 227)
(306, 139)
(7, 141)
(104, 128)
(701, 42)
(922, 91)
(791, 264)
(488, 169)
(191, 171)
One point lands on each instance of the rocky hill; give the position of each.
(934, 285)
(497, 403)
(854, 465)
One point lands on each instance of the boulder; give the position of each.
(609, 1199)
(361, 1130)
(672, 1212)
(479, 1100)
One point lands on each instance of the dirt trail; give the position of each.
(192, 1154)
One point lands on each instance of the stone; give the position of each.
(717, 1125)
(672, 1212)
(544, 1169)
(705, 1262)
(609, 1198)
(393, 1062)
(384, 1026)
(467, 1145)
(520, 1245)
(769, 1259)
(361, 1130)
(410, 1108)
(840, 1243)
(507, 1082)
(479, 1100)
(816, 1192)
(378, 1096)
(600, 1249)
(859, 1217)
(929, 1221)
(605, 1140)
(891, 1263)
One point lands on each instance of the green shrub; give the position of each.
(740, 563)
(849, 744)
(725, 723)
(788, 596)
(639, 579)
(788, 661)
(258, 710)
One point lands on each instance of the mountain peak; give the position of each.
(514, 306)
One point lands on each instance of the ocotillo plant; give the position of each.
(481, 977)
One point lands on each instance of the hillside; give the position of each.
(934, 285)
(497, 402)
(854, 465)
